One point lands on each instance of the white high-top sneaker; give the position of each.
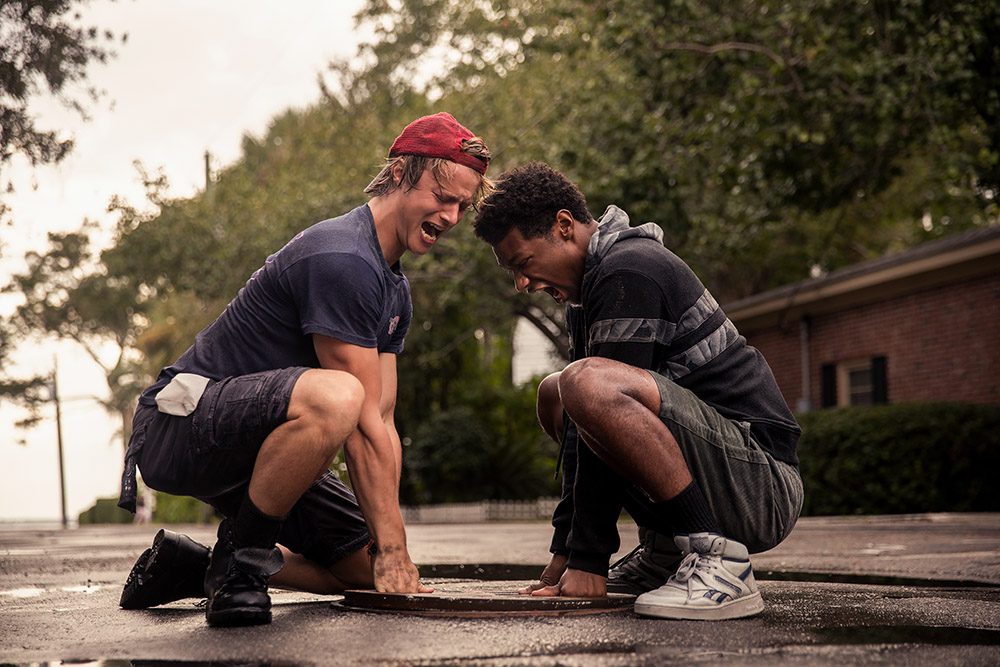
(714, 582)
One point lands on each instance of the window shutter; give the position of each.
(828, 385)
(880, 384)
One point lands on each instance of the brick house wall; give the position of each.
(941, 344)
(780, 347)
(936, 333)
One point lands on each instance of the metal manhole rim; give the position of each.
(479, 603)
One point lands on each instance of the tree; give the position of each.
(65, 294)
(43, 49)
(310, 165)
(768, 140)
(765, 138)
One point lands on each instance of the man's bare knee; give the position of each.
(585, 383)
(330, 400)
(601, 388)
(549, 407)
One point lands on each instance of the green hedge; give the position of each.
(169, 509)
(912, 457)
(105, 510)
(181, 509)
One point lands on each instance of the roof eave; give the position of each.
(857, 286)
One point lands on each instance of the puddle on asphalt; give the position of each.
(508, 572)
(33, 592)
(909, 634)
(840, 635)
(867, 579)
(22, 593)
(858, 635)
(153, 663)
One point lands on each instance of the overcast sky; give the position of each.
(192, 76)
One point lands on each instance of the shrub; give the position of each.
(180, 509)
(105, 510)
(492, 449)
(912, 457)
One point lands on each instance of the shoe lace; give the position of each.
(135, 578)
(239, 579)
(692, 563)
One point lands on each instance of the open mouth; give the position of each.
(430, 232)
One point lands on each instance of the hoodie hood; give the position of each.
(612, 227)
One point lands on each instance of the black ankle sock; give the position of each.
(687, 512)
(253, 528)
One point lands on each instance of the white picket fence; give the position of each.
(486, 510)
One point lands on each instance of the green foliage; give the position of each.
(768, 139)
(30, 393)
(917, 457)
(491, 449)
(105, 510)
(180, 509)
(64, 293)
(43, 49)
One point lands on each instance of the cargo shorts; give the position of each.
(755, 498)
(210, 453)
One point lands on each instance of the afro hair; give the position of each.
(528, 198)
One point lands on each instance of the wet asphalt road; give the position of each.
(915, 590)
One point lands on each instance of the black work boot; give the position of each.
(648, 566)
(172, 569)
(236, 581)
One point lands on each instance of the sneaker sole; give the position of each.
(749, 605)
(130, 593)
(627, 589)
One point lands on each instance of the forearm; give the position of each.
(373, 463)
(598, 496)
(562, 517)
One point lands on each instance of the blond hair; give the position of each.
(441, 169)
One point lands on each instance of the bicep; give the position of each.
(361, 362)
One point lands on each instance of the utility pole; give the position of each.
(208, 173)
(54, 392)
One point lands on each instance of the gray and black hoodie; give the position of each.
(642, 305)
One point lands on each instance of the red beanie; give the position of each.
(439, 136)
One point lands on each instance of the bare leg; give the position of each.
(616, 410)
(322, 413)
(549, 407)
(301, 574)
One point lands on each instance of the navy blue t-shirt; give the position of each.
(331, 279)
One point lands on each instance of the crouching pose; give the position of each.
(664, 410)
(301, 363)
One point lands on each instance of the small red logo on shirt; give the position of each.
(393, 323)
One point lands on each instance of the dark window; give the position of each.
(855, 382)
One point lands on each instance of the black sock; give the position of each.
(687, 512)
(253, 528)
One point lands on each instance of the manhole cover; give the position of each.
(499, 599)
